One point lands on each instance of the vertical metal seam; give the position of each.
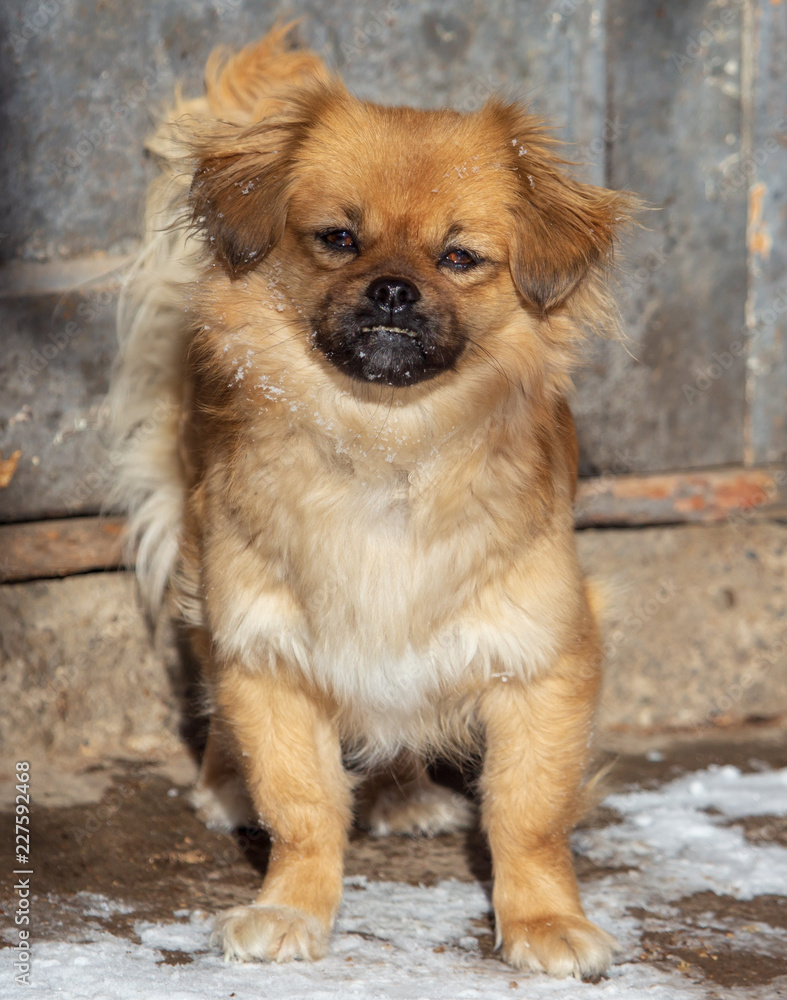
(609, 100)
(750, 42)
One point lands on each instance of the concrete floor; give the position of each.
(123, 830)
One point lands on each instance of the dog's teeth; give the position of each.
(388, 329)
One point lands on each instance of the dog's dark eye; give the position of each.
(340, 239)
(459, 259)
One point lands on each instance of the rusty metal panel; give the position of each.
(57, 354)
(82, 84)
(83, 81)
(678, 401)
(650, 95)
(763, 169)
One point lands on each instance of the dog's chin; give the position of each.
(387, 355)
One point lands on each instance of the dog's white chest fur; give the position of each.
(348, 590)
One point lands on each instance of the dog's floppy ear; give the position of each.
(239, 201)
(239, 192)
(562, 236)
(562, 229)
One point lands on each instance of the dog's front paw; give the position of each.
(424, 811)
(269, 933)
(559, 945)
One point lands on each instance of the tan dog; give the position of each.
(349, 458)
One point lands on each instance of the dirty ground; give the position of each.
(685, 860)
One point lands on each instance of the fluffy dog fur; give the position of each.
(349, 459)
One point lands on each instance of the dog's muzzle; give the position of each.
(389, 340)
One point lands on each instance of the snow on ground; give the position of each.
(400, 942)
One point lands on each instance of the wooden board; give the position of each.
(736, 496)
(46, 549)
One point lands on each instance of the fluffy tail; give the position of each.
(146, 398)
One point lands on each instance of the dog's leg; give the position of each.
(404, 800)
(537, 746)
(219, 796)
(291, 756)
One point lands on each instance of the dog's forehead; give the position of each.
(401, 160)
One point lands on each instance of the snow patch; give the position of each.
(403, 942)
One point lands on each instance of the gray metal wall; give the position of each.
(682, 101)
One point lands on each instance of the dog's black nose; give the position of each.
(393, 294)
